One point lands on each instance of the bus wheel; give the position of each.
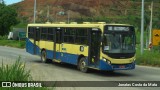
(82, 65)
(43, 56)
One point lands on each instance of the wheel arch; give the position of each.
(79, 57)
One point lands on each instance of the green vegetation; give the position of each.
(16, 72)
(13, 43)
(3, 37)
(8, 18)
(151, 58)
(20, 25)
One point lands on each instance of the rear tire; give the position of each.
(43, 56)
(82, 65)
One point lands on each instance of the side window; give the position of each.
(58, 35)
(82, 36)
(50, 35)
(69, 35)
(31, 32)
(44, 33)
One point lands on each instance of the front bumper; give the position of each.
(110, 67)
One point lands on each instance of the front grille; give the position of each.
(120, 55)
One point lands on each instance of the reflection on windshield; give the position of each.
(118, 43)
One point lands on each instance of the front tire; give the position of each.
(82, 65)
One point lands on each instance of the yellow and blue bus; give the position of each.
(98, 46)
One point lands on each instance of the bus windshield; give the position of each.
(119, 43)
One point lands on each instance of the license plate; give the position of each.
(122, 66)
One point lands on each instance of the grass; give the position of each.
(149, 58)
(13, 43)
(16, 72)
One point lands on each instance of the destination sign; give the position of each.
(118, 28)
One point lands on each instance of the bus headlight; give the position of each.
(134, 59)
(104, 59)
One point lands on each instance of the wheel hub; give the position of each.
(83, 64)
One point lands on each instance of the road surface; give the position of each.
(63, 72)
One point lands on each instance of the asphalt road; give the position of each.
(64, 72)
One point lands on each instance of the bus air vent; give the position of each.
(101, 22)
(62, 23)
(48, 22)
(86, 22)
(73, 23)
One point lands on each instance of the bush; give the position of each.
(151, 58)
(3, 37)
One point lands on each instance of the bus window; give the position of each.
(69, 35)
(59, 36)
(50, 35)
(31, 32)
(44, 33)
(82, 36)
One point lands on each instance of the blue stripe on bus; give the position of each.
(49, 54)
(30, 48)
(105, 66)
(63, 57)
(69, 58)
(38, 50)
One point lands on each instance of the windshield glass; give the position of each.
(119, 43)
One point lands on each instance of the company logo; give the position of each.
(6, 84)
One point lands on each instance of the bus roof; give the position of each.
(75, 24)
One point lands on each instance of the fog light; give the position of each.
(109, 62)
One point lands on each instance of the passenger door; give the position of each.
(94, 46)
(58, 43)
(36, 40)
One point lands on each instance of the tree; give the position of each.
(8, 18)
(2, 1)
